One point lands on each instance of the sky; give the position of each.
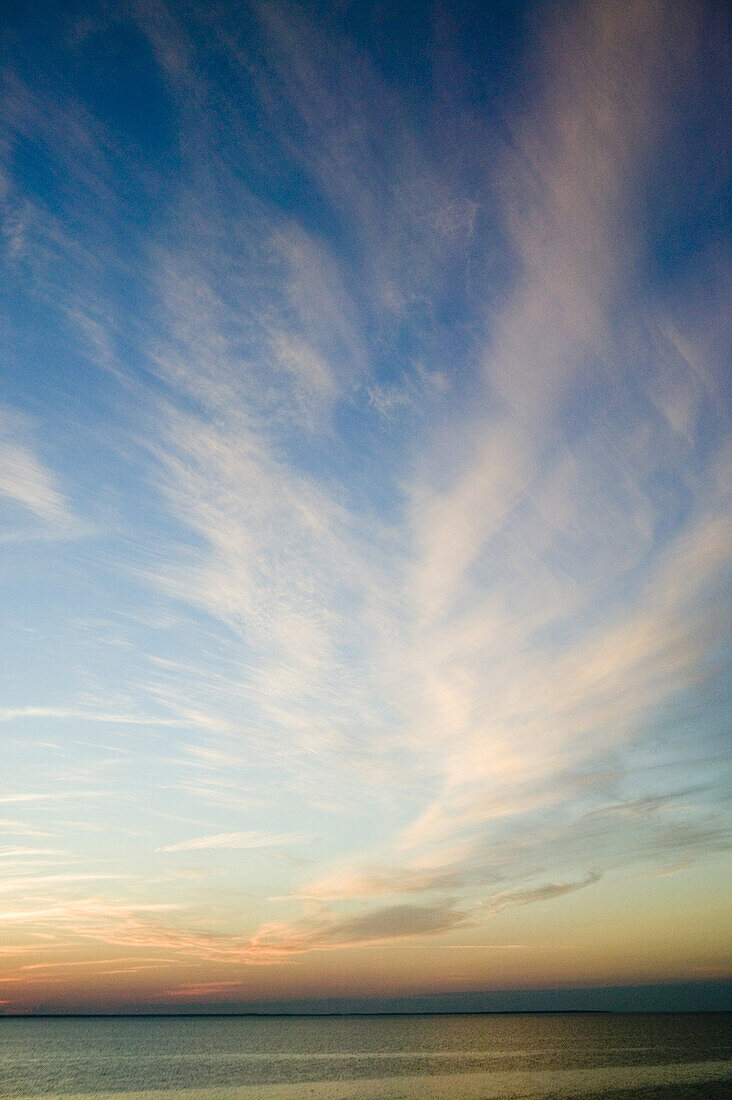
(364, 477)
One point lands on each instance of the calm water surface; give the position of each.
(367, 1058)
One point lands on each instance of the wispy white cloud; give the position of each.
(538, 893)
(51, 796)
(29, 883)
(20, 828)
(88, 912)
(237, 842)
(27, 481)
(12, 714)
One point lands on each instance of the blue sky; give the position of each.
(364, 466)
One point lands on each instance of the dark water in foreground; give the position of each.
(369, 1058)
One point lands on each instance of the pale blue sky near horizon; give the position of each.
(364, 498)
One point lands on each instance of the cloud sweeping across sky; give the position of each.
(364, 495)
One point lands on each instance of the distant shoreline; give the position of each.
(323, 1015)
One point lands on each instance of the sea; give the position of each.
(421, 1057)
